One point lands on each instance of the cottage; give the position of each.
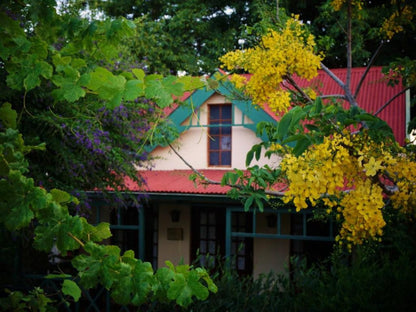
(184, 221)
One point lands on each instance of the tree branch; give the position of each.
(349, 48)
(199, 174)
(391, 100)
(295, 85)
(328, 96)
(213, 182)
(333, 76)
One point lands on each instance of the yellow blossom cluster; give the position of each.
(393, 24)
(362, 212)
(319, 171)
(337, 4)
(347, 173)
(404, 198)
(239, 81)
(280, 54)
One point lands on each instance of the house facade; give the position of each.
(184, 221)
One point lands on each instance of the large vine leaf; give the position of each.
(8, 116)
(107, 86)
(185, 286)
(162, 90)
(71, 288)
(60, 229)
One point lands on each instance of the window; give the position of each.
(208, 239)
(312, 250)
(219, 135)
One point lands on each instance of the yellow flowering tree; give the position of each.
(344, 159)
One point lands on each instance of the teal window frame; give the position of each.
(229, 234)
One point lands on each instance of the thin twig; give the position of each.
(199, 174)
(370, 63)
(349, 47)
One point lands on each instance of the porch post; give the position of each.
(228, 237)
(141, 232)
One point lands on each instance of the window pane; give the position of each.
(203, 247)
(211, 248)
(214, 143)
(226, 143)
(211, 233)
(226, 158)
(214, 130)
(226, 130)
(203, 217)
(211, 218)
(241, 263)
(203, 232)
(214, 158)
(214, 112)
(226, 112)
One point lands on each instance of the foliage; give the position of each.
(61, 86)
(188, 35)
(377, 277)
(339, 155)
(36, 300)
(329, 26)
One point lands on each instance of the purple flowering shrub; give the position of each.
(94, 152)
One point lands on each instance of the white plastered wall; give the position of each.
(270, 254)
(178, 250)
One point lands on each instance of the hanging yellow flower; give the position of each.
(280, 54)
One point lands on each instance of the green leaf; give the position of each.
(293, 138)
(23, 44)
(190, 83)
(301, 145)
(134, 89)
(284, 126)
(162, 90)
(44, 69)
(59, 229)
(248, 203)
(318, 105)
(31, 81)
(108, 86)
(55, 276)
(182, 289)
(99, 232)
(71, 288)
(57, 60)
(249, 157)
(259, 204)
(311, 127)
(60, 196)
(8, 116)
(143, 281)
(297, 115)
(138, 73)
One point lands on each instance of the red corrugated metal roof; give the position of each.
(374, 93)
(177, 181)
